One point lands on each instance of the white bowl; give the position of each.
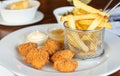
(19, 16)
(61, 10)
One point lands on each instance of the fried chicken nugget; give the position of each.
(40, 60)
(26, 47)
(66, 65)
(37, 58)
(52, 46)
(31, 55)
(63, 54)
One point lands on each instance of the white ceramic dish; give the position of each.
(5, 72)
(95, 67)
(18, 16)
(39, 16)
(61, 10)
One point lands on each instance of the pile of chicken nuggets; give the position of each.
(50, 52)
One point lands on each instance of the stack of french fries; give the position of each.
(85, 18)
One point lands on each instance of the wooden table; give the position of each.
(47, 7)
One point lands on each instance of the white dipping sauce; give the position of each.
(37, 37)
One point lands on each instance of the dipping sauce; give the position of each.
(36, 37)
(57, 34)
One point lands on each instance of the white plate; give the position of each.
(5, 72)
(39, 16)
(100, 66)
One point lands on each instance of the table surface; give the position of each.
(47, 7)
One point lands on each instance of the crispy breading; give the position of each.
(40, 60)
(66, 65)
(37, 58)
(64, 54)
(52, 46)
(26, 47)
(30, 56)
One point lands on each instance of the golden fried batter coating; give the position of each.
(40, 60)
(37, 58)
(66, 65)
(26, 47)
(30, 56)
(52, 46)
(63, 54)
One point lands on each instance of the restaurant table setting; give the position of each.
(46, 15)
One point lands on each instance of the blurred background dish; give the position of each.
(38, 17)
(58, 12)
(18, 15)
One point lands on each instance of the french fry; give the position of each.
(79, 17)
(86, 16)
(95, 23)
(90, 39)
(73, 43)
(78, 11)
(91, 45)
(104, 24)
(71, 24)
(77, 39)
(87, 8)
(72, 48)
(86, 37)
(70, 21)
(85, 22)
(80, 26)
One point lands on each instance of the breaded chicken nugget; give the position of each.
(63, 54)
(26, 47)
(52, 46)
(66, 65)
(31, 55)
(40, 60)
(37, 58)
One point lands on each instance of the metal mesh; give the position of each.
(85, 44)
